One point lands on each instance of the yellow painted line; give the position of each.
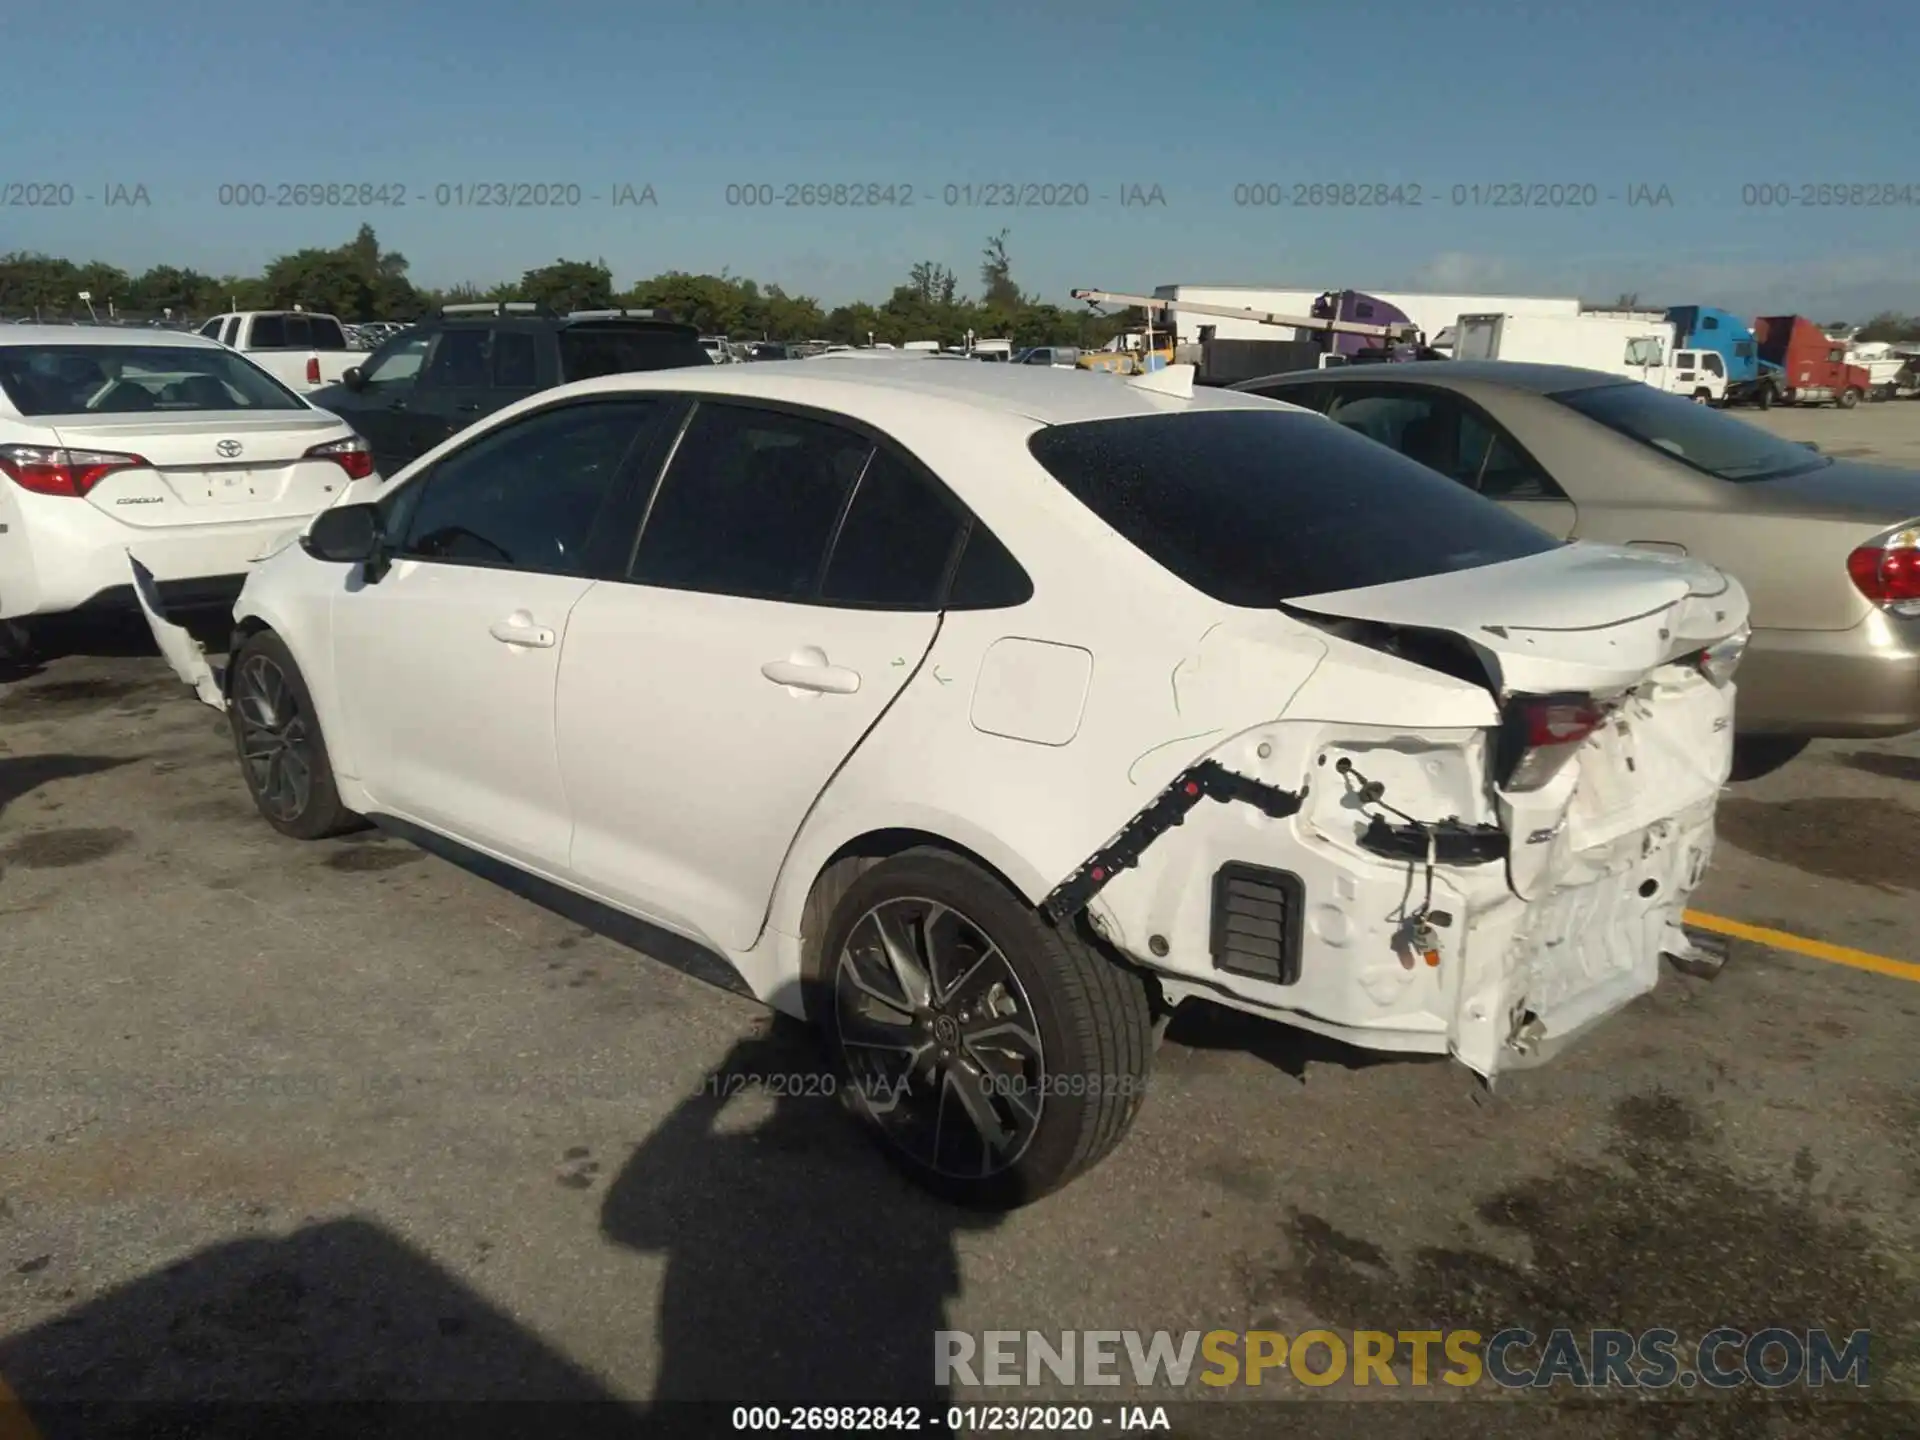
(1801, 945)
(14, 1424)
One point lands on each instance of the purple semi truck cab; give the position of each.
(1357, 307)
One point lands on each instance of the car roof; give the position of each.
(12, 335)
(1048, 397)
(1506, 374)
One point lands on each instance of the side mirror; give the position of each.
(353, 378)
(345, 534)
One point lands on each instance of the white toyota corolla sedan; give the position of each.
(982, 715)
(166, 445)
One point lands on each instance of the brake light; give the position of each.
(351, 455)
(313, 369)
(1541, 733)
(1887, 572)
(48, 471)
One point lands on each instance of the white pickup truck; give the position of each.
(297, 347)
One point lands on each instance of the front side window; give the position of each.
(397, 362)
(1256, 507)
(459, 361)
(749, 504)
(123, 379)
(1710, 362)
(524, 496)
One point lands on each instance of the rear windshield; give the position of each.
(590, 350)
(125, 379)
(1256, 507)
(1707, 439)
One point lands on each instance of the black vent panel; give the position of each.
(1256, 922)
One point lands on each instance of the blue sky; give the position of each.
(419, 94)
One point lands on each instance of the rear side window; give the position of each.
(590, 350)
(327, 334)
(514, 362)
(896, 543)
(749, 504)
(1257, 507)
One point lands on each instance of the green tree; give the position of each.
(999, 293)
(1888, 325)
(569, 285)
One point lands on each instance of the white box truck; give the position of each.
(1630, 345)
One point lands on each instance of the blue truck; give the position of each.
(1751, 380)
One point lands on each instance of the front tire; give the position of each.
(1848, 399)
(276, 734)
(994, 1056)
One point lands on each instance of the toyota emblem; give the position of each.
(228, 448)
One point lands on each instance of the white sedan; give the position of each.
(983, 715)
(166, 445)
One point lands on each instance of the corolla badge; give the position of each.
(228, 448)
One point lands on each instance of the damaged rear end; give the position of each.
(1474, 829)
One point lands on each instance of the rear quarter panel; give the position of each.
(1792, 564)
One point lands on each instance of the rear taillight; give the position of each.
(1540, 733)
(48, 471)
(351, 455)
(313, 369)
(1887, 572)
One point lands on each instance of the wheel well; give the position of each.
(245, 630)
(854, 859)
(863, 852)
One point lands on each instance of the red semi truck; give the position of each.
(1813, 369)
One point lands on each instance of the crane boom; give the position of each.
(1153, 305)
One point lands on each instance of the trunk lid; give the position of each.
(1595, 619)
(211, 468)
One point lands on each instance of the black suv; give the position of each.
(444, 373)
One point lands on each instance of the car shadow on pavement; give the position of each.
(21, 775)
(800, 1266)
(295, 1337)
(110, 635)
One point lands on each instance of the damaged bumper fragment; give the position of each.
(1207, 780)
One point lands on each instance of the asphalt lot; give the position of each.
(345, 1120)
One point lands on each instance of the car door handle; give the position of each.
(809, 670)
(519, 629)
(467, 409)
(396, 405)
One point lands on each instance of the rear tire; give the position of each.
(1758, 755)
(993, 1056)
(276, 734)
